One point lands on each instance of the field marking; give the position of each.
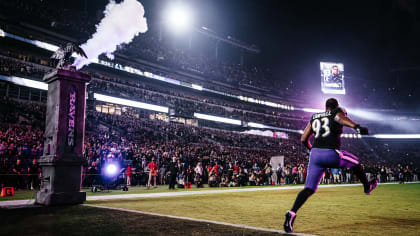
(186, 193)
(198, 220)
(17, 203)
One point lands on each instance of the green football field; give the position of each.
(390, 210)
(31, 194)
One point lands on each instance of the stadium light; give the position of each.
(197, 87)
(217, 118)
(256, 125)
(397, 136)
(312, 110)
(178, 17)
(131, 103)
(111, 169)
(2, 34)
(25, 82)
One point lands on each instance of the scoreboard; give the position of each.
(332, 78)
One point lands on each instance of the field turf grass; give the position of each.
(390, 210)
(30, 194)
(82, 220)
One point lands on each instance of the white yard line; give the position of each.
(16, 203)
(199, 220)
(185, 193)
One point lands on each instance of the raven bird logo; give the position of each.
(63, 54)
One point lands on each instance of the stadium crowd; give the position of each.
(10, 66)
(202, 155)
(65, 20)
(161, 50)
(185, 104)
(184, 153)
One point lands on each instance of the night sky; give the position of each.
(365, 35)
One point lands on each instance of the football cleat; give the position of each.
(373, 184)
(288, 222)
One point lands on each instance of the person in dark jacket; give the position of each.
(172, 171)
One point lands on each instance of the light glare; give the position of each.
(25, 82)
(256, 125)
(126, 102)
(397, 136)
(311, 110)
(179, 18)
(197, 87)
(217, 118)
(111, 170)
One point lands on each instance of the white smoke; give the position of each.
(122, 22)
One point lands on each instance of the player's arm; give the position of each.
(342, 119)
(306, 135)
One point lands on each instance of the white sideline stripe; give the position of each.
(197, 220)
(172, 194)
(16, 203)
(185, 193)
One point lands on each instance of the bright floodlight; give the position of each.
(178, 17)
(111, 169)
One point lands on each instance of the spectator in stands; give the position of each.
(34, 172)
(153, 168)
(162, 174)
(199, 171)
(129, 174)
(18, 175)
(212, 179)
(172, 172)
(252, 179)
(267, 174)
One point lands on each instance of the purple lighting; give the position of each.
(111, 170)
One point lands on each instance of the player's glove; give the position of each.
(361, 130)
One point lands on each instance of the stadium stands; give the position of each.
(130, 137)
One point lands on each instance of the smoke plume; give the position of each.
(122, 22)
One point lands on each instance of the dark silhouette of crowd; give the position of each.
(202, 155)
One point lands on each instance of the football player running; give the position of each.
(325, 153)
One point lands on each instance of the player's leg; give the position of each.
(349, 160)
(314, 175)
